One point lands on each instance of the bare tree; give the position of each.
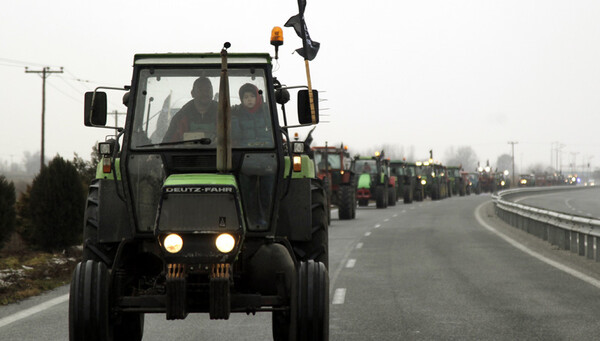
(463, 156)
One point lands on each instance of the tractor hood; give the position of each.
(200, 208)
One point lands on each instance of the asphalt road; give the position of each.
(445, 270)
(584, 202)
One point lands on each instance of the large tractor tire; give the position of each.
(89, 302)
(392, 196)
(407, 195)
(435, 192)
(308, 316)
(381, 196)
(327, 187)
(347, 205)
(92, 248)
(317, 248)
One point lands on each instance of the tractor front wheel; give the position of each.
(347, 202)
(381, 196)
(88, 302)
(313, 302)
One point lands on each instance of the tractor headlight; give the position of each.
(502, 183)
(225, 242)
(173, 243)
(423, 182)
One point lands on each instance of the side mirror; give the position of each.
(304, 113)
(95, 109)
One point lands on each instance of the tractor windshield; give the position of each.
(366, 166)
(333, 161)
(177, 108)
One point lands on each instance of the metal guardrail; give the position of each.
(578, 234)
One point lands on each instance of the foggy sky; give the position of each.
(426, 74)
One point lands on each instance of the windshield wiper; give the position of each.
(204, 140)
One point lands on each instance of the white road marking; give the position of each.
(395, 214)
(557, 265)
(359, 245)
(33, 310)
(351, 262)
(386, 220)
(339, 296)
(367, 234)
(377, 226)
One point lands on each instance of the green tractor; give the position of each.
(375, 181)
(407, 180)
(334, 168)
(456, 182)
(205, 210)
(434, 180)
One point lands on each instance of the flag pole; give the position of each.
(310, 93)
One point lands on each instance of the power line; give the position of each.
(45, 72)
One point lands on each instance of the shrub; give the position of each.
(7, 209)
(56, 205)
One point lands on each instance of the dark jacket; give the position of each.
(188, 119)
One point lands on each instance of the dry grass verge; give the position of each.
(29, 273)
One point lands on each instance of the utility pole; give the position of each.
(116, 113)
(45, 72)
(513, 161)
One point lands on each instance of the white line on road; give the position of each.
(359, 245)
(377, 226)
(386, 220)
(557, 265)
(339, 296)
(395, 214)
(33, 310)
(367, 234)
(351, 262)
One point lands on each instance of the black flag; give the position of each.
(309, 47)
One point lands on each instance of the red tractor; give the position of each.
(333, 168)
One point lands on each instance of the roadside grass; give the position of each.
(29, 273)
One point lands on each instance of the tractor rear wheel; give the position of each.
(328, 193)
(392, 196)
(89, 302)
(347, 202)
(381, 196)
(317, 248)
(407, 197)
(92, 248)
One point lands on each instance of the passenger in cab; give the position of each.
(250, 120)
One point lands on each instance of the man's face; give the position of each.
(249, 100)
(202, 93)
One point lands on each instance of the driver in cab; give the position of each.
(197, 118)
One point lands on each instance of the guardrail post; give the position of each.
(573, 239)
(581, 243)
(589, 249)
(597, 250)
(564, 239)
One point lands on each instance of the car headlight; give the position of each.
(423, 182)
(225, 242)
(173, 243)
